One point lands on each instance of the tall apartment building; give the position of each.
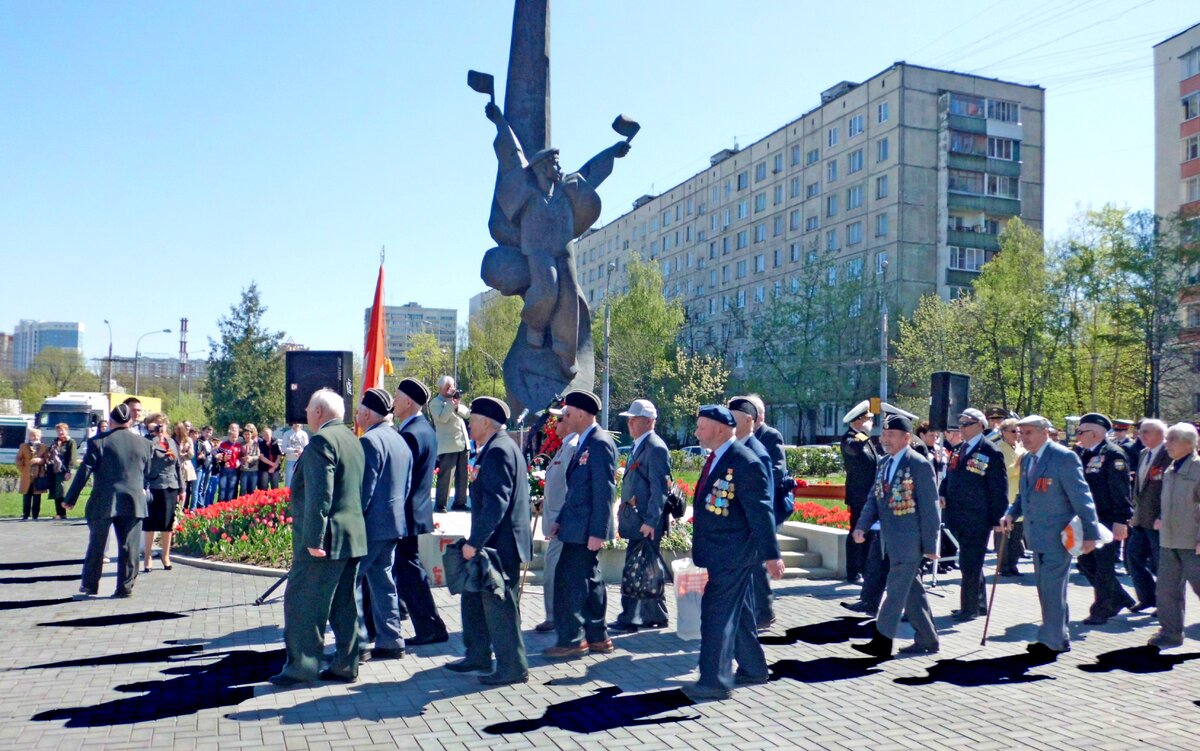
(915, 171)
(6, 353)
(1177, 123)
(31, 337)
(405, 321)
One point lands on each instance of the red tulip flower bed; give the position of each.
(814, 513)
(255, 529)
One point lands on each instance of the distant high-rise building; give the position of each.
(482, 300)
(6, 353)
(405, 321)
(1177, 123)
(32, 337)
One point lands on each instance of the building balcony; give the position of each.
(966, 238)
(960, 278)
(993, 205)
(967, 124)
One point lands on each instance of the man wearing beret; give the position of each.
(386, 476)
(1052, 492)
(904, 501)
(745, 414)
(328, 539)
(1106, 469)
(500, 530)
(975, 490)
(860, 456)
(641, 516)
(119, 462)
(733, 534)
(412, 581)
(583, 525)
(772, 441)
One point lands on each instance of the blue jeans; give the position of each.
(248, 481)
(228, 484)
(1141, 559)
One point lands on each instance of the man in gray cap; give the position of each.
(387, 473)
(1052, 492)
(641, 518)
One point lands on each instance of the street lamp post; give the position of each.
(137, 355)
(612, 266)
(883, 334)
(108, 381)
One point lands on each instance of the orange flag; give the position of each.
(375, 360)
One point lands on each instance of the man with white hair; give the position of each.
(449, 417)
(1141, 548)
(1179, 530)
(328, 539)
(1052, 492)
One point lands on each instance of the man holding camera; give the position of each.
(448, 421)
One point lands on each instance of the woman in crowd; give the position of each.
(166, 485)
(187, 460)
(59, 457)
(31, 465)
(1013, 451)
(937, 454)
(270, 455)
(248, 464)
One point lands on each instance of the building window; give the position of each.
(794, 219)
(743, 180)
(741, 301)
(1193, 316)
(811, 223)
(831, 205)
(811, 257)
(778, 258)
(760, 202)
(1005, 187)
(881, 112)
(964, 181)
(855, 126)
(854, 161)
(795, 155)
(881, 262)
(794, 188)
(1009, 112)
(1196, 362)
(777, 291)
(760, 294)
(1189, 65)
(725, 245)
(963, 104)
(854, 197)
(881, 186)
(881, 150)
(814, 155)
(814, 190)
(760, 172)
(741, 269)
(795, 249)
(760, 233)
(1191, 148)
(856, 306)
(725, 274)
(831, 276)
(777, 225)
(831, 240)
(724, 218)
(743, 209)
(1191, 190)
(712, 277)
(831, 137)
(742, 239)
(760, 263)
(1001, 148)
(777, 192)
(881, 225)
(831, 171)
(777, 164)
(854, 235)
(966, 259)
(972, 144)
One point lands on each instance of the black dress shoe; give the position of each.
(1139, 607)
(962, 616)
(698, 692)
(1011, 572)
(745, 679)
(462, 666)
(494, 679)
(1044, 650)
(329, 675)
(365, 655)
(622, 628)
(386, 653)
(919, 649)
(122, 595)
(282, 679)
(856, 579)
(435, 638)
(879, 646)
(764, 625)
(1095, 620)
(544, 627)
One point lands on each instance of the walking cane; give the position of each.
(532, 535)
(992, 600)
(263, 597)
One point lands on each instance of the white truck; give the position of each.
(12, 435)
(80, 410)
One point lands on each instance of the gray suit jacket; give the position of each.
(1050, 496)
(120, 462)
(556, 479)
(647, 475)
(591, 490)
(906, 508)
(387, 474)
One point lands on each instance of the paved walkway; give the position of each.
(181, 666)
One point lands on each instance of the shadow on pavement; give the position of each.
(39, 579)
(1144, 659)
(22, 604)
(989, 672)
(116, 620)
(836, 631)
(606, 709)
(162, 654)
(825, 669)
(30, 565)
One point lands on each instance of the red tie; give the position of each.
(704, 472)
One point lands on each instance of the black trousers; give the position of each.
(764, 612)
(856, 554)
(1015, 548)
(452, 464)
(492, 623)
(580, 600)
(972, 546)
(875, 577)
(727, 629)
(1099, 566)
(412, 585)
(31, 502)
(129, 530)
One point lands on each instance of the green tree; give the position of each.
(937, 336)
(7, 389)
(490, 333)
(245, 368)
(186, 407)
(426, 360)
(53, 371)
(682, 383)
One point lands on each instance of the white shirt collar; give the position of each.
(971, 443)
(719, 451)
(638, 441)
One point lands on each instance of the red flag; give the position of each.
(375, 360)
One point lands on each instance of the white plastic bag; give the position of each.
(1072, 537)
(690, 581)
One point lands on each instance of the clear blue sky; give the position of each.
(155, 157)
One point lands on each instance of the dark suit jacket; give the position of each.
(119, 460)
(418, 507)
(975, 487)
(500, 503)
(907, 532)
(1147, 493)
(860, 455)
(647, 475)
(387, 472)
(772, 441)
(591, 490)
(745, 536)
(326, 496)
(1106, 469)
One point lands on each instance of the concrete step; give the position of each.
(801, 560)
(817, 572)
(794, 544)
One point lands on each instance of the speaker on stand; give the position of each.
(949, 395)
(308, 371)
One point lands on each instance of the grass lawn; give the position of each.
(10, 506)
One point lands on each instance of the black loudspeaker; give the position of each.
(949, 395)
(308, 371)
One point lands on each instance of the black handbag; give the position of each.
(645, 575)
(676, 503)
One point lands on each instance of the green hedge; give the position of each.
(814, 462)
(681, 462)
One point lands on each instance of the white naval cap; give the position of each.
(862, 409)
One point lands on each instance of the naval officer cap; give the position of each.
(717, 413)
(585, 400)
(488, 406)
(858, 411)
(997, 413)
(745, 406)
(1095, 418)
(415, 390)
(897, 421)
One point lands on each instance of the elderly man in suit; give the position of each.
(904, 501)
(553, 499)
(733, 535)
(975, 491)
(772, 441)
(1106, 470)
(328, 539)
(745, 414)
(499, 526)
(1141, 548)
(119, 462)
(860, 456)
(387, 472)
(1053, 491)
(583, 525)
(1179, 528)
(641, 516)
(412, 581)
